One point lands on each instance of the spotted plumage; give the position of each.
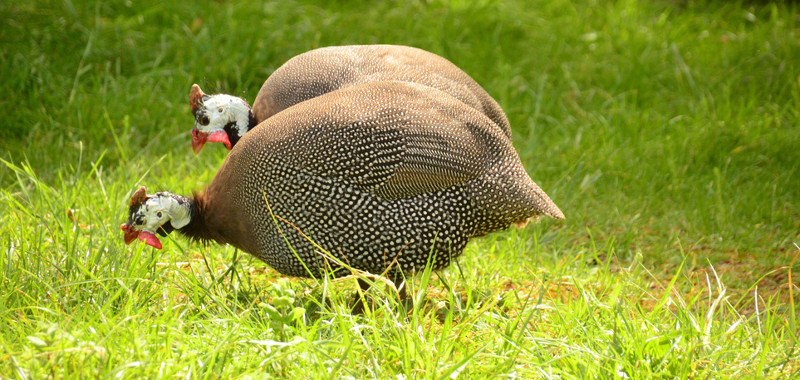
(323, 70)
(385, 176)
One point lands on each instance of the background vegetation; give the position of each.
(667, 131)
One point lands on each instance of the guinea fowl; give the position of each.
(225, 118)
(382, 176)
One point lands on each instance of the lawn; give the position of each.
(667, 132)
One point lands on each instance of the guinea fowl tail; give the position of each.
(507, 196)
(544, 205)
(542, 202)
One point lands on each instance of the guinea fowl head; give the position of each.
(218, 118)
(149, 215)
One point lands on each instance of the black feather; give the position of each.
(165, 229)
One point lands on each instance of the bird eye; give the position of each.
(159, 214)
(219, 109)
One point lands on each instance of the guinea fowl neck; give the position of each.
(235, 133)
(213, 221)
(251, 122)
(196, 229)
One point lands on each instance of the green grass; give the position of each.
(667, 131)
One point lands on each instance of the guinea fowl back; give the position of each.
(376, 174)
(326, 69)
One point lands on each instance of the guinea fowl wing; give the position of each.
(392, 147)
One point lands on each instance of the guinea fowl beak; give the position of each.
(130, 234)
(147, 237)
(198, 140)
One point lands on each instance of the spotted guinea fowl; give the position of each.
(383, 176)
(225, 118)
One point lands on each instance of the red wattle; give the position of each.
(220, 136)
(150, 239)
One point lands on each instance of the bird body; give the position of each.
(384, 176)
(323, 70)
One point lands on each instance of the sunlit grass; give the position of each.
(666, 132)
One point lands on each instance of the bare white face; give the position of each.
(151, 215)
(156, 212)
(219, 110)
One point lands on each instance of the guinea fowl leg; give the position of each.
(398, 279)
(359, 303)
